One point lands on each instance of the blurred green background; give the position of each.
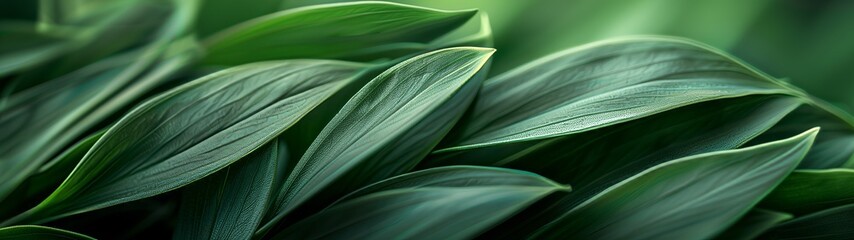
(809, 42)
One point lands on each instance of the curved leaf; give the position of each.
(753, 224)
(454, 176)
(32, 232)
(230, 203)
(595, 160)
(834, 146)
(602, 84)
(694, 197)
(360, 30)
(453, 210)
(830, 224)
(192, 131)
(387, 127)
(43, 181)
(807, 191)
(43, 119)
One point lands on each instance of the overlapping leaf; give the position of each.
(807, 191)
(454, 176)
(595, 160)
(45, 118)
(193, 131)
(834, 146)
(387, 127)
(230, 203)
(360, 31)
(603, 84)
(830, 224)
(40, 120)
(442, 203)
(693, 197)
(754, 224)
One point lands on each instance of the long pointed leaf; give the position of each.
(361, 30)
(387, 127)
(693, 197)
(448, 208)
(603, 84)
(192, 131)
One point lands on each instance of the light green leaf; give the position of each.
(807, 191)
(454, 176)
(230, 203)
(695, 197)
(192, 131)
(386, 128)
(356, 31)
(753, 224)
(32, 232)
(453, 210)
(603, 84)
(830, 224)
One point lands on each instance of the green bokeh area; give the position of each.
(810, 43)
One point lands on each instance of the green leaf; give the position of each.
(693, 197)
(22, 47)
(386, 128)
(32, 232)
(230, 203)
(584, 158)
(454, 176)
(596, 160)
(45, 118)
(603, 84)
(834, 146)
(49, 176)
(42, 119)
(356, 31)
(406, 207)
(192, 131)
(753, 224)
(830, 224)
(807, 191)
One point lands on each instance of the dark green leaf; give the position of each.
(31, 232)
(595, 160)
(454, 176)
(603, 84)
(753, 224)
(43, 181)
(834, 146)
(192, 131)
(387, 127)
(695, 197)
(807, 191)
(830, 224)
(230, 203)
(361, 30)
(452, 210)
(43, 119)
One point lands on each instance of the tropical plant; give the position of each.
(380, 120)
